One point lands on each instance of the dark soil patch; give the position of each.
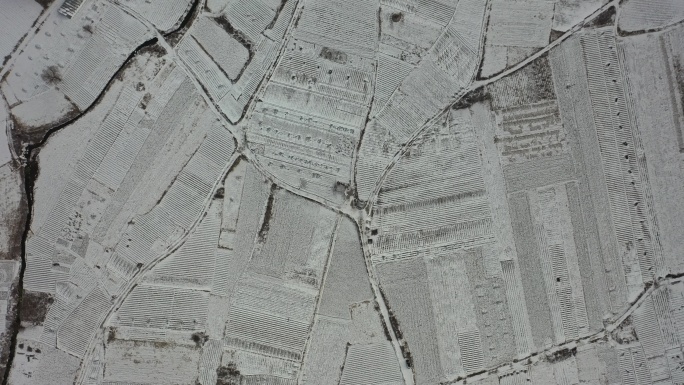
(621, 32)
(344, 360)
(533, 83)
(561, 355)
(392, 318)
(679, 75)
(475, 96)
(406, 353)
(384, 326)
(555, 35)
(45, 3)
(604, 19)
(395, 324)
(174, 36)
(277, 14)
(333, 55)
(625, 333)
(199, 338)
(268, 215)
(153, 49)
(16, 221)
(34, 307)
(540, 72)
(228, 375)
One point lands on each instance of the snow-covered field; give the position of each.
(16, 20)
(385, 192)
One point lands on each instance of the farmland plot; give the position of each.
(416, 210)
(370, 364)
(429, 238)
(163, 307)
(17, 18)
(347, 263)
(129, 361)
(389, 192)
(93, 239)
(9, 265)
(347, 343)
(192, 265)
(252, 18)
(556, 159)
(536, 157)
(639, 15)
(231, 79)
(42, 364)
(433, 81)
(306, 127)
(448, 68)
(627, 229)
(290, 245)
(254, 318)
(11, 206)
(515, 25)
(623, 356)
(164, 15)
(461, 329)
(643, 348)
(226, 51)
(272, 307)
(658, 119)
(67, 64)
(534, 165)
(236, 246)
(567, 13)
(408, 31)
(185, 299)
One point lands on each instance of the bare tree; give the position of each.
(51, 75)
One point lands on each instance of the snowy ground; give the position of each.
(342, 192)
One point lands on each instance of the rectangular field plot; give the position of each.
(614, 128)
(346, 25)
(326, 352)
(371, 364)
(131, 361)
(294, 239)
(641, 15)
(520, 23)
(165, 15)
(447, 205)
(192, 265)
(226, 51)
(164, 307)
(253, 364)
(268, 317)
(405, 286)
(654, 93)
(346, 280)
